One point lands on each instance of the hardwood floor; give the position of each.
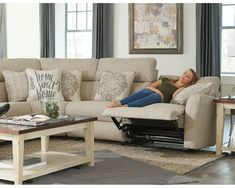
(221, 171)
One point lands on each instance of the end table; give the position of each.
(221, 105)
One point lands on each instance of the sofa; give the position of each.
(198, 125)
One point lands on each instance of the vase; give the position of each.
(50, 107)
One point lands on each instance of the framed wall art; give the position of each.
(156, 28)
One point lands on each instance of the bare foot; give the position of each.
(114, 104)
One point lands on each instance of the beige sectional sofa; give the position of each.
(199, 126)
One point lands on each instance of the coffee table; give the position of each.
(55, 161)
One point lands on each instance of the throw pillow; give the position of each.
(114, 86)
(16, 85)
(44, 84)
(71, 84)
(199, 88)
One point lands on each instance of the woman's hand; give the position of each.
(154, 90)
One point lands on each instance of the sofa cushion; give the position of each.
(71, 84)
(159, 111)
(37, 107)
(199, 88)
(18, 109)
(114, 86)
(44, 84)
(16, 85)
(87, 66)
(18, 65)
(144, 68)
(87, 108)
(215, 84)
(3, 92)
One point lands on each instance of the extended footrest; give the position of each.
(148, 131)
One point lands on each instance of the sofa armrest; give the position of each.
(200, 122)
(17, 109)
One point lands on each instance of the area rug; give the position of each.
(178, 161)
(112, 168)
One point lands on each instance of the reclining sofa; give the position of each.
(197, 126)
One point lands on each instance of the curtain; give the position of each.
(3, 35)
(102, 30)
(47, 29)
(208, 22)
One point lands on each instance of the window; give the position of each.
(228, 39)
(78, 38)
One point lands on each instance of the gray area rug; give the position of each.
(112, 168)
(178, 161)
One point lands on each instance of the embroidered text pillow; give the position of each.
(44, 84)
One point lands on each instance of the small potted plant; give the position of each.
(50, 107)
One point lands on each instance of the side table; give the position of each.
(221, 105)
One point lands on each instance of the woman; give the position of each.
(160, 91)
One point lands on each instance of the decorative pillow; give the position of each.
(199, 88)
(44, 84)
(71, 84)
(114, 86)
(16, 85)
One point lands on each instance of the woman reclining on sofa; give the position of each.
(160, 91)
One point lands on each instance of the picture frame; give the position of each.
(156, 28)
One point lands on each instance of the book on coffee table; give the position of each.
(29, 162)
(34, 120)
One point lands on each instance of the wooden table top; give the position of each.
(224, 100)
(21, 129)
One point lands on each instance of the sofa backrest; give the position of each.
(92, 69)
(87, 66)
(17, 65)
(144, 68)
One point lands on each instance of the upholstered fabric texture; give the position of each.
(71, 84)
(114, 86)
(161, 111)
(16, 85)
(215, 84)
(18, 65)
(88, 108)
(199, 88)
(144, 68)
(3, 92)
(44, 84)
(86, 66)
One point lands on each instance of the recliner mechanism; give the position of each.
(149, 131)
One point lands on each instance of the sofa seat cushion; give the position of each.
(159, 111)
(88, 108)
(36, 106)
(17, 109)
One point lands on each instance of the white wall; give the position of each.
(60, 30)
(166, 63)
(23, 30)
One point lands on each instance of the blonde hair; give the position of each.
(195, 76)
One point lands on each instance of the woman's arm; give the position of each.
(155, 84)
